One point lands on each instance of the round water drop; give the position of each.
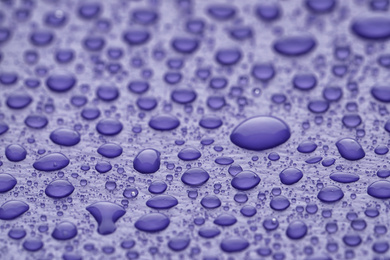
(330, 194)
(248, 211)
(332, 94)
(18, 100)
(89, 10)
(224, 160)
(61, 82)
(189, 154)
(381, 93)
(209, 232)
(210, 122)
(381, 150)
(136, 37)
(3, 128)
(152, 222)
(195, 177)
(270, 224)
(32, 244)
(64, 231)
(51, 162)
(64, 55)
(17, 233)
(36, 121)
(65, 137)
(260, 133)
(279, 203)
(147, 161)
(228, 57)
(352, 240)
(351, 121)
(296, 230)
(350, 149)
(268, 12)
(318, 106)
(107, 93)
(130, 193)
(157, 187)
(320, 6)
(55, 18)
(164, 122)
(90, 113)
(241, 33)
(379, 189)
(138, 87)
(109, 126)
(179, 243)
(313, 160)
(78, 100)
(372, 28)
(15, 153)
(144, 16)
(185, 45)
(7, 182)
(5, 34)
(274, 156)
(59, 189)
(162, 202)
(106, 214)
(218, 82)
(245, 180)
(195, 26)
(147, 103)
(307, 147)
(225, 220)
(8, 78)
(183, 96)
(110, 150)
(344, 177)
(216, 102)
(234, 244)
(41, 38)
(210, 202)
(290, 176)
(383, 173)
(221, 12)
(294, 45)
(384, 60)
(12, 209)
(263, 72)
(93, 43)
(103, 167)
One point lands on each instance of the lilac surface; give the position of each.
(132, 105)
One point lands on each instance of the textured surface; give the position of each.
(234, 67)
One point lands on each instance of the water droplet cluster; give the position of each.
(194, 129)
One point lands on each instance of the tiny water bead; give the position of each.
(260, 133)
